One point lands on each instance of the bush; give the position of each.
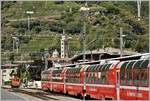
(7, 83)
(74, 27)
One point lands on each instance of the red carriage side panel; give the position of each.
(134, 80)
(100, 81)
(57, 81)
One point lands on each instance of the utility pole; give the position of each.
(139, 9)
(13, 44)
(45, 3)
(46, 54)
(28, 23)
(121, 42)
(29, 13)
(85, 12)
(84, 42)
(17, 44)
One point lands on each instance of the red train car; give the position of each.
(74, 81)
(133, 80)
(46, 80)
(127, 80)
(15, 81)
(57, 81)
(100, 81)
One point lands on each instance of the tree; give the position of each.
(12, 57)
(24, 74)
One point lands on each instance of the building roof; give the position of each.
(24, 62)
(101, 54)
(94, 56)
(57, 59)
(6, 66)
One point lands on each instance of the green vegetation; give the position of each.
(23, 74)
(7, 83)
(51, 17)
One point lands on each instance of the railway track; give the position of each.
(41, 95)
(37, 94)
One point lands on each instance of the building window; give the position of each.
(4, 71)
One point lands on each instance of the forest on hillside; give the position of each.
(50, 18)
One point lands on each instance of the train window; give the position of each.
(66, 80)
(106, 77)
(104, 67)
(137, 64)
(107, 73)
(94, 68)
(103, 77)
(73, 78)
(129, 73)
(136, 77)
(87, 70)
(144, 64)
(99, 75)
(98, 68)
(95, 78)
(86, 76)
(143, 78)
(56, 78)
(101, 67)
(108, 66)
(129, 77)
(93, 74)
(89, 77)
(123, 75)
(143, 73)
(92, 77)
(77, 78)
(68, 77)
(91, 68)
(78, 71)
(136, 71)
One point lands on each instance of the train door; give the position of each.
(118, 84)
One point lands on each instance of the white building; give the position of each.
(55, 54)
(64, 47)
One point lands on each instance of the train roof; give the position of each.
(134, 63)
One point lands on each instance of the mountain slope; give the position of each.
(102, 24)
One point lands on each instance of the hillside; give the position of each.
(50, 18)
